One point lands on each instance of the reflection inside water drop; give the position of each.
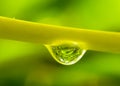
(66, 53)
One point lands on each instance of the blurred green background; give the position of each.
(27, 64)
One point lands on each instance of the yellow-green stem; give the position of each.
(20, 30)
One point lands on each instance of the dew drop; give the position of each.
(66, 53)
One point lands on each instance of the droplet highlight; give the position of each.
(67, 53)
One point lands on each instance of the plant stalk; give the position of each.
(25, 31)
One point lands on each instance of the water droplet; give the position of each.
(66, 53)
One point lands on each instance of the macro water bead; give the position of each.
(66, 53)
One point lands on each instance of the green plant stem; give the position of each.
(25, 31)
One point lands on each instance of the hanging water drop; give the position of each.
(66, 53)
